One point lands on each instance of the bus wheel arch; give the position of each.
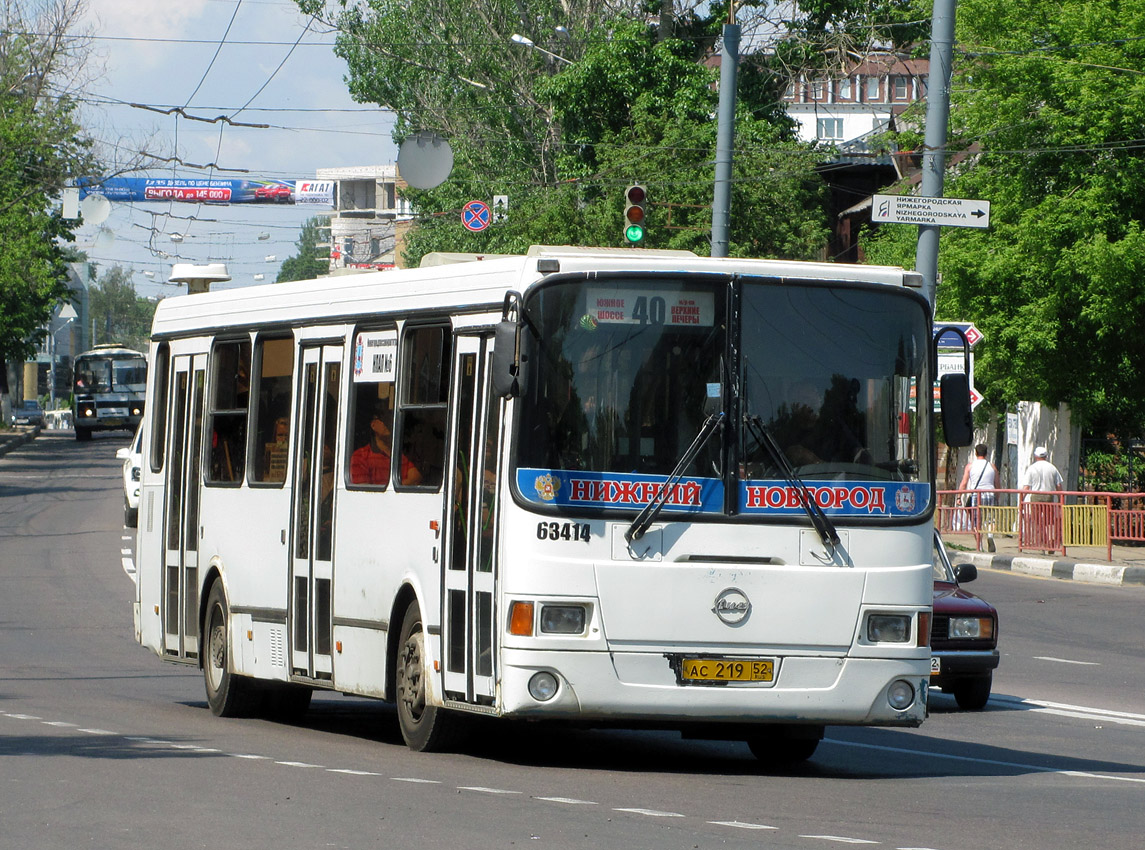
(424, 726)
(228, 694)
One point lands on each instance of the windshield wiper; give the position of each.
(820, 520)
(646, 516)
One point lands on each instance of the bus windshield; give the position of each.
(110, 374)
(622, 374)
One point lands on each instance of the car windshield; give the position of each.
(942, 568)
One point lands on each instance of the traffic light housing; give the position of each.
(634, 216)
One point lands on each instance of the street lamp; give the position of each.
(67, 312)
(528, 42)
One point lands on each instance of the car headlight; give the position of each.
(888, 628)
(971, 627)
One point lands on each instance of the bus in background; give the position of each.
(110, 385)
(601, 486)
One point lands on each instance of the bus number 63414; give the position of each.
(563, 531)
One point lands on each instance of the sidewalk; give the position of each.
(15, 436)
(1082, 564)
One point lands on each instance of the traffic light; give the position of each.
(634, 199)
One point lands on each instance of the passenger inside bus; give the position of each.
(370, 463)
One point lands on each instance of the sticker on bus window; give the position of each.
(375, 356)
(567, 488)
(648, 307)
(853, 498)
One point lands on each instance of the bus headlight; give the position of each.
(562, 619)
(888, 628)
(543, 686)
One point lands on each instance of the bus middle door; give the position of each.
(181, 507)
(470, 520)
(311, 562)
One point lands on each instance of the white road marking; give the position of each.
(842, 839)
(415, 779)
(652, 813)
(740, 825)
(483, 790)
(1066, 660)
(95, 731)
(1036, 768)
(1125, 718)
(60, 723)
(572, 801)
(349, 772)
(124, 551)
(23, 716)
(250, 756)
(297, 764)
(128, 567)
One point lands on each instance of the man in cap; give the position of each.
(1042, 478)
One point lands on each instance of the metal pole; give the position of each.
(937, 118)
(725, 140)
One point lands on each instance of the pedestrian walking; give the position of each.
(980, 476)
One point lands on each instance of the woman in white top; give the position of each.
(979, 475)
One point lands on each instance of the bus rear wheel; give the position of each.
(228, 695)
(425, 728)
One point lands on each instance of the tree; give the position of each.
(118, 314)
(310, 261)
(41, 146)
(563, 129)
(1052, 94)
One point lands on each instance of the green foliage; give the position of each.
(1053, 93)
(310, 261)
(41, 146)
(117, 313)
(563, 139)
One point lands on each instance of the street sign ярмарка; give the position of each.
(909, 209)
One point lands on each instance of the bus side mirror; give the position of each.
(957, 415)
(506, 360)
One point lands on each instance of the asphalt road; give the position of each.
(102, 745)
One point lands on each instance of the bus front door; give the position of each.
(470, 522)
(181, 507)
(311, 563)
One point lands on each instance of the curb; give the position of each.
(1110, 574)
(8, 442)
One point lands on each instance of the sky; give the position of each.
(213, 57)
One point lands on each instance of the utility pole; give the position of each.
(934, 154)
(725, 136)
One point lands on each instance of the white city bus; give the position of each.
(602, 486)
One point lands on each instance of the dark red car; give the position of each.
(963, 634)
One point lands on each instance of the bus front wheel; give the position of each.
(228, 695)
(425, 728)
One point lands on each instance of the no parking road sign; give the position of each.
(476, 216)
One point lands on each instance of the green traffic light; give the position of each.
(634, 233)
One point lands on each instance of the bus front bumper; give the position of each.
(643, 687)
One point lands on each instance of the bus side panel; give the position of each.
(383, 540)
(245, 533)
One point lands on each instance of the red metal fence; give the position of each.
(1071, 518)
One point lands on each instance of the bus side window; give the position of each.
(274, 359)
(230, 398)
(425, 362)
(158, 408)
